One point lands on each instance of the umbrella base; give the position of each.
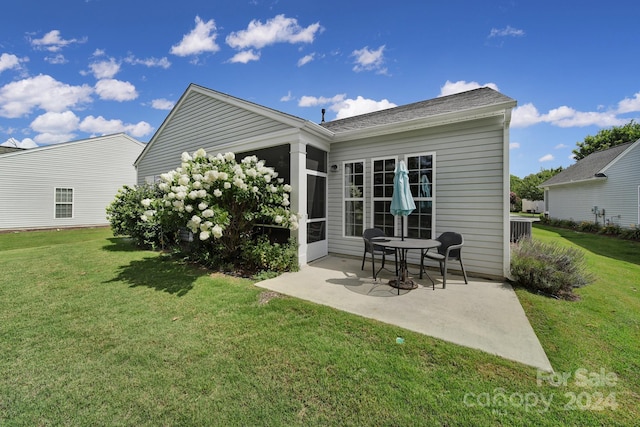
(403, 284)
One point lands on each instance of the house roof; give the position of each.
(587, 168)
(460, 102)
(5, 150)
(22, 152)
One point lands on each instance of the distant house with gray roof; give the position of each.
(456, 149)
(603, 187)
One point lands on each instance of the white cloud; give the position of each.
(625, 106)
(53, 42)
(21, 97)
(560, 146)
(344, 107)
(312, 101)
(56, 123)
(287, 97)
(277, 30)
(201, 39)
(360, 105)
(565, 117)
(514, 145)
(451, 88)
(25, 143)
(149, 62)
(245, 56)
(306, 59)
(525, 115)
(546, 158)
(509, 31)
(101, 126)
(54, 138)
(9, 61)
(162, 104)
(369, 60)
(116, 90)
(56, 59)
(105, 69)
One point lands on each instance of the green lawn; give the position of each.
(94, 332)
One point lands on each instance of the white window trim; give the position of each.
(345, 199)
(56, 203)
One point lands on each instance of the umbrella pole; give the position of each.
(402, 226)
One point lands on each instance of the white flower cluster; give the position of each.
(202, 188)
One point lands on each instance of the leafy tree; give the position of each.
(529, 185)
(515, 184)
(607, 138)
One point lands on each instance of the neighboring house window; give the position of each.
(420, 223)
(382, 190)
(64, 203)
(353, 195)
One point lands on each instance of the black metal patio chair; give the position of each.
(450, 249)
(373, 249)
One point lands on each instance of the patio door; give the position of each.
(317, 246)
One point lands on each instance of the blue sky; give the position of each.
(73, 69)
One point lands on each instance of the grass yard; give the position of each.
(95, 332)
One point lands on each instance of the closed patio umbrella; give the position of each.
(402, 201)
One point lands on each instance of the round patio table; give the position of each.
(402, 246)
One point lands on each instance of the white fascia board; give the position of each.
(578, 181)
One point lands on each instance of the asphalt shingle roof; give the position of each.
(588, 167)
(5, 150)
(476, 98)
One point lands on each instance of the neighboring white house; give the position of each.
(603, 187)
(532, 206)
(65, 185)
(456, 148)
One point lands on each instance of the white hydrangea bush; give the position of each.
(218, 198)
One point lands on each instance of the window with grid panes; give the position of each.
(64, 203)
(421, 181)
(382, 172)
(353, 195)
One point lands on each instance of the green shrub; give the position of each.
(548, 268)
(125, 214)
(632, 233)
(610, 230)
(221, 201)
(588, 227)
(262, 255)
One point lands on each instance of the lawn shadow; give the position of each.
(121, 244)
(607, 246)
(160, 273)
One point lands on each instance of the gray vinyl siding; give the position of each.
(201, 122)
(617, 194)
(95, 169)
(469, 183)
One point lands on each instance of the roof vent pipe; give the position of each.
(323, 111)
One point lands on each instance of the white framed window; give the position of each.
(353, 183)
(382, 172)
(63, 203)
(422, 174)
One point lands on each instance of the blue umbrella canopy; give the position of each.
(402, 201)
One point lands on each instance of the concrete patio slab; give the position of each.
(485, 315)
